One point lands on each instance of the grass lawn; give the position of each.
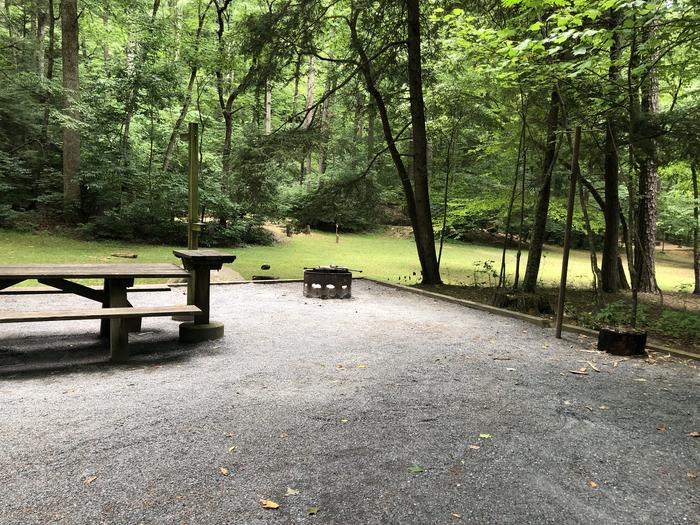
(379, 255)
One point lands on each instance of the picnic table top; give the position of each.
(90, 271)
(205, 256)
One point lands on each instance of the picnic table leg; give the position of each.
(119, 340)
(115, 297)
(202, 329)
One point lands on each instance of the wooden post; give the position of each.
(193, 226)
(567, 231)
(193, 180)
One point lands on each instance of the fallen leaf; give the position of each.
(510, 369)
(291, 492)
(269, 504)
(475, 447)
(640, 380)
(485, 436)
(339, 366)
(284, 435)
(604, 407)
(343, 420)
(232, 449)
(592, 366)
(583, 371)
(416, 469)
(224, 471)
(90, 480)
(593, 484)
(661, 427)
(456, 516)
(312, 511)
(361, 366)
(229, 435)
(694, 434)
(692, 474)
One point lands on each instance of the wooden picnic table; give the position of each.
(118, 316)
(117, 278)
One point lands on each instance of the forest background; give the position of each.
(454, 118)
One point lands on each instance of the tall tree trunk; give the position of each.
(696, 229)
(648, 182)
(424, 234)
(366, 70)
(539, 227)
(609, 271)
(71, 87)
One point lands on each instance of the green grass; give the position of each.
(377, 254)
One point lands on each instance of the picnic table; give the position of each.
(118, 316)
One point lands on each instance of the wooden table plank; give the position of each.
(96, 313)
(89, 271)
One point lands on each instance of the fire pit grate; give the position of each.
(328, 282)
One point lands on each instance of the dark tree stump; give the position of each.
(622, 342)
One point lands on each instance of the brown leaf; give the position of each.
(661, 427)
(456, 515)
(89, 480)
(475, 447)
(224, 471)
(593, 484)
(694, 434)
(269, 504)
(692, 474)
(583, 371)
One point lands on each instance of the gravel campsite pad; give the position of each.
(385, 408)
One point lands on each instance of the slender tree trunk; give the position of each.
(424, 234)
(268, 107)
(41, 24)
(297, 74)
(325, 127)
(106, 54)
(371, 119)
(309, 117)
(71, 87)
(539, 227)
(696, 229)
(310, 89)
(180, 119)
(188, 94)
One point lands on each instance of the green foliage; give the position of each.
(350, 203)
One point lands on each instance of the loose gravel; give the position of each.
(385, 408)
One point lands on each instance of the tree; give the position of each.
(71, 87)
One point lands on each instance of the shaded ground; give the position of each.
(676, 323)
(387, 408)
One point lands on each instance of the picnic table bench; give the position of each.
(117, 314)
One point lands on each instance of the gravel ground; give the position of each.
(386, 408)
